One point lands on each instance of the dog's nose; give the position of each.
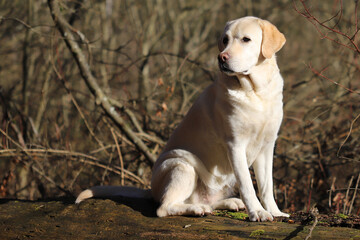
(224, 56)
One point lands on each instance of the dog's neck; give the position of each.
(266, 74)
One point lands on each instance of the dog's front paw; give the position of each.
(280, 214)
(232, 204)
(260, 216)
(198, 210)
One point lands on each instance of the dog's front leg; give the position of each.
(263, 167)
(247, 191)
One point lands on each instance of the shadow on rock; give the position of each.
(147, 207)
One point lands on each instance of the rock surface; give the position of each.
(135, 219)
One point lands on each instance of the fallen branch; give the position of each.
(101, 99)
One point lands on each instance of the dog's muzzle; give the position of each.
(224, 67)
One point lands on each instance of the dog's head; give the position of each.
(245, 42)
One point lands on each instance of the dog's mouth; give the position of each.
(224, 67)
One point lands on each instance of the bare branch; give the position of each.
(329, 79)
(101, 99)
(317, 23)
(74, 156)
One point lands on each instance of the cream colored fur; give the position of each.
(232, 126)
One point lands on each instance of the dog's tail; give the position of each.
(113, 191)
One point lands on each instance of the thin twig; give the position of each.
(114, 169)
(347, 194)
(314, 212)
(332, 188)
(310, 193)
(77, 174)
(19, 134)
(355, 191)
(329, 79)
(28, 152)
(11, 140)
(109, 162)
(120, 156)
(73, 100)
(50, 180)
(102, 148)
(347, 137)
(356, 20)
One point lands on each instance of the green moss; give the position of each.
(340, 215)
(37, 207)
(238, 215)
(219, 213)
(257, 233)
(234, 215)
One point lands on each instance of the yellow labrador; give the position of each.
(233, 125)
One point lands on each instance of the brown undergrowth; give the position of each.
(94, 101)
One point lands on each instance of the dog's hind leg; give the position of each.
(173, 184)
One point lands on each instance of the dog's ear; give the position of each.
(273, 39)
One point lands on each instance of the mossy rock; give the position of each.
(135, 219)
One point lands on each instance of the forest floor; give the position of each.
(135, 219)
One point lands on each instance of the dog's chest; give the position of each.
(254, 121)
(253, 114)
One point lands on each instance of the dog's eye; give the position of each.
(225, 40)
(246, 39)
